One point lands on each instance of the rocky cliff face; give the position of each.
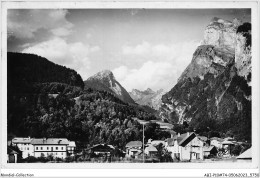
(148, 97)
(214, 90)
(106, 81)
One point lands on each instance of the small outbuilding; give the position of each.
(150, 150)
(13, 154)
(102, 149)
(133, 148)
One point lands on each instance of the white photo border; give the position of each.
(165, 169)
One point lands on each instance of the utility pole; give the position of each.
(143, 142)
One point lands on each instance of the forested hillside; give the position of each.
(54, 106)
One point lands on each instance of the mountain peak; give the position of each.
(221, 33)
(148, 91)
(104, 74)
(105, 80)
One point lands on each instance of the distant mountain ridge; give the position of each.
(106, 81)
(147, 97)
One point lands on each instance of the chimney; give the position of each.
(179, 134)
(171, 135)
(188, 133)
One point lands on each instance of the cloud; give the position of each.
(61, 31)
(155, 75)
(24, 23)
(72, 55)
(165, 64)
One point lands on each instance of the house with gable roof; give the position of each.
(102, 149)
(133, 148)
(185, 146)
(150, 150)
(13, 154)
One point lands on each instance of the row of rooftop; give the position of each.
(182, 147)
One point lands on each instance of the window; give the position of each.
(28, 148)
(61, 148)
(36, 148)
(61, 153)
(21, 148)
(56, 148)
(41, 148)
(56, 153)
(47, 148)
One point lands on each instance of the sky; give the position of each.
(144, 48)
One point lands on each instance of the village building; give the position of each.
(156, 142)
(150, 150)
(228, 146)
(133, 148)
(13, 154)
(102, 149)
(203, 139)
(209, 151)
(217, 142)
(185, 147)
(24, 144)
(57, 147)
(71, 148)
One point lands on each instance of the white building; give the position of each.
(217, 142)
(24, 144)
(71, 148)
(57, 147)
(185, 147)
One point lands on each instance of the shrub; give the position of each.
(31, 159)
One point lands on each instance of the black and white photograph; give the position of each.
(129, 86)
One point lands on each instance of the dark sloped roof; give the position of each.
(134, 144)
(185, 138)
(50, 141)
(13, 150)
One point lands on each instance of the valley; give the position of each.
(211, 101)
